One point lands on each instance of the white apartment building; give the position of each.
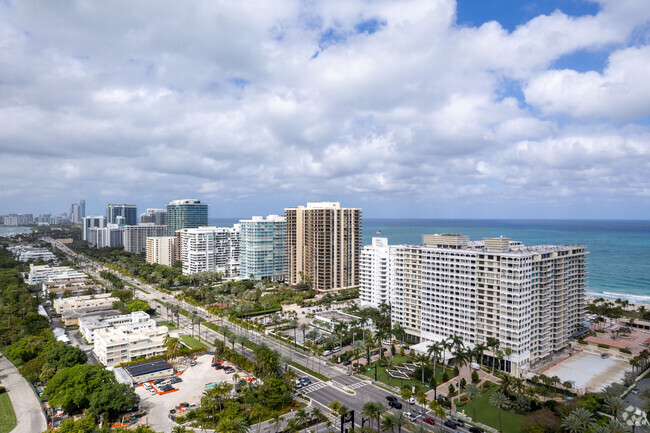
(110, 236)
(375, 273)
(46, 273)
(135, 237)
(88, 325)
(161, 250)
(25, 253)
(87, 302)
(119, 344)
(210, 249)
(530, 298)
(263, 248)
(91, 222)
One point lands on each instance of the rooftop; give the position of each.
(147, 367)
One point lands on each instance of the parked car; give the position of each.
(218, 367)
(476, 430)
(336, 349)
(412, 400)
(635, 390)
(395, 404)
(184, 404)
(327, 353)
(348, 362)
(429, 420)
(418, 410)
(175, 379)
(386, 342)
(192, 364)
(460, 422)
(152, 392)
(214, 364)
(305, 381)
(146, 385)
(412, 416)
(298, 385)
(391, 398)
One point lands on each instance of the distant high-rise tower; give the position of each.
(156, 216)
(128, 211)
(323, 245)
(82, 209)
(186, 214)
(74, 214)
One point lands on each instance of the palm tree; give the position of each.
(614, 403)
(173, 345)
(423, 360)
(358, 346)
(209, 402)
(406, 394)
(257, 410)
(294, 324)
(276, 420)
(421, 399)
(400, 420)
(388, 423)
(500, 401)
(585, 416)
(472, 393)
(304, 328)
(237, 424)
(369, 410)
(478, 351)
(199, 320)
(419, 429)
(302, 417)
(438, 410)
(493, 345)
(446, 344)
(572, 424)
(316, 415)
(179, 429)
(434, 351)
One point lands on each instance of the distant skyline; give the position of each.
(414, 109)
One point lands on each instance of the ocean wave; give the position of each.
(638, 299)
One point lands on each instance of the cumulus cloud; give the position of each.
(286, 102)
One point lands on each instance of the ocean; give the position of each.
(618, 263)
(8, 231)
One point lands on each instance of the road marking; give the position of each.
(313, 387)
(357, 385)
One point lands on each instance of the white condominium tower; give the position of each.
(210, 249)
(374, 273)
(529, 298)
(323, 245)
(263, 248)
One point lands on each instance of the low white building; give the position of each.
(100, 301)
(119, 344)
(43, 273)
(25, 253)
(136, 320)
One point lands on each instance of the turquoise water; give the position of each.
(618, 263)
(8, 231)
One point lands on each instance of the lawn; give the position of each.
(7, 416)
(489, 415)
(382, 376)
(168, 325)
(192, 342)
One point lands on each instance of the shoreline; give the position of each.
(632, 306)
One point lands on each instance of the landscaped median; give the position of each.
(7, 415)
(192, 342)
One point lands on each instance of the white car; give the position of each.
(474, 366)
(412, 400)
(336, 349)
(387, 343)
(327, 353)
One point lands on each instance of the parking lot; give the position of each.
(189, 391)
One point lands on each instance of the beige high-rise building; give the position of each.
(162, 250)
(323, 245)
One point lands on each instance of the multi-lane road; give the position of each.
(348, 390)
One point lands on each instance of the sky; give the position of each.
(421, 109)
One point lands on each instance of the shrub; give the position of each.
(463, 383)
(445, 376)
(475, 377)
(582, 342)
(603, 346)
(624, 351)
(2, 390)
(456, 371)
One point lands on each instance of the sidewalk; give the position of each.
(28, 411)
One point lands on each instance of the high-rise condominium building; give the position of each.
(155, 216)
(162, 250)
(263, 248)
(323, 245)
(374, 273)
(75, 215)
(529, 298)
(186, 213)
(135, 237)
(128, 212)
(90, 222)
(110, 236)
(210, 249)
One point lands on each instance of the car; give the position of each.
(305, 381)
(386, 342)
(391, 398)
(395, 404)
(229, 370)
(476, 430)
(604, 355)
(218, 367)
(157, 381)
(412, 400)
(418, 410)
(214, 364)
(152, 392)
(146, 385)
(429, 420)
(298, 385)
(336, 349)
(192, 364)
(412, 416)
(348, 362)
(474, 366)
(327, 353)
(460, 422)
(635, 391)
(449, 423)
(175, 379)
(184, 404)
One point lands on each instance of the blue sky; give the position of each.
(420, 108)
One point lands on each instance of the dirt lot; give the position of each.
(189, 390)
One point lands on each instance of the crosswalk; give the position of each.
(313, 387)
(357, 385)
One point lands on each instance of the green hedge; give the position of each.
(625, 351)
(603, 346)
(582, 342)
(307, 370)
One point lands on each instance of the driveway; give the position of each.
(28, 411)
(637, 400)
